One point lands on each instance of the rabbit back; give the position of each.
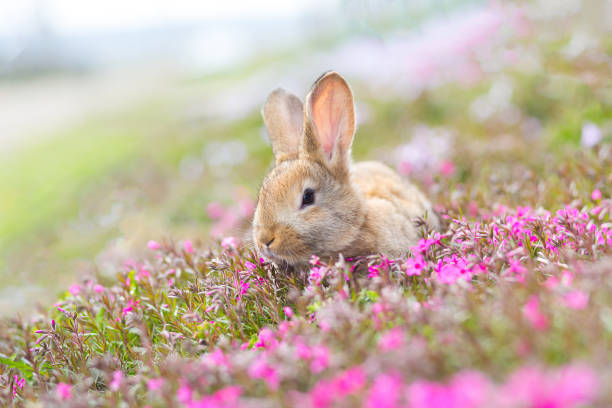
(392, 207)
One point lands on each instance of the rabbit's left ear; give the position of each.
(283, 117)
(329, 122)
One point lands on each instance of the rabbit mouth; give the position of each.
(277, 257)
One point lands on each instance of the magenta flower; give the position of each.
(596, 195)
(266, 339)
(229, 243)
(517, 270)
(98, 288)
(75, 289)
(115, 383)
(154, 245)
(188, 246)
(320, 359)
(155, 384)
(184, 394)
(373, 271)
(250, 266)
(385, 392)
(303, 351)
(466, 390)
(471, 389)
(531, 311)
(132, 305)
(322, 394)
(288, 312)
(447, 168)
(18, 384)
(261, 369)
(415, 265)
(349, 381)
(569, 387)
(227, 396)
(243, 288)
(424, 394)
(216, 359)
(64, 391)
(576, 299)
(215, 210)
(391, 340)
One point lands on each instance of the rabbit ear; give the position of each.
(329, 122)
(283, 117)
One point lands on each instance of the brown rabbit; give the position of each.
(314, 200)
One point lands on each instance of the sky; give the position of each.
(82, 16)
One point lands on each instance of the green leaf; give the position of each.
(20, 365)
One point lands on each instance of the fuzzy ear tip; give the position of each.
(327, 75)
(276, 93)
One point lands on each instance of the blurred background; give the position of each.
(122, 122)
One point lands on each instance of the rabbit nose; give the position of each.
(266, 239)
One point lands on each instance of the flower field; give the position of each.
(509, 305)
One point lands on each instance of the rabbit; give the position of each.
(314, 200)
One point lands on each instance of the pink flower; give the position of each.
(471, 389)
(314, 260)
(98, 288)
(227, 396)
(115, 383)
(466, 390)
(155, 384)
(320, 359)
(350, 381)
(404, 168)
(229, 243)
(425, 394)
(74, 289)
(188, 246)
(288, 312)
(391, 340)
(142, 273)
(217, 358)
(154, 245)
(531, 310)
(385, 392)
(576, 299)
(596, 195)
(64, 391)
(303, 351)
(373, 271)
(517, 269)
(18, 385)
(378, 308)
(215, 211)
(568, 387)
(266, 339)
(243, 288)
(184, 394)
(447, 168)
(415, 265)
(261, 369)
(132, 305)
(322, 394)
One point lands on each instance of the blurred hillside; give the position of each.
(114, 134)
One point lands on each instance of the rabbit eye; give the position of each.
(308, 197)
